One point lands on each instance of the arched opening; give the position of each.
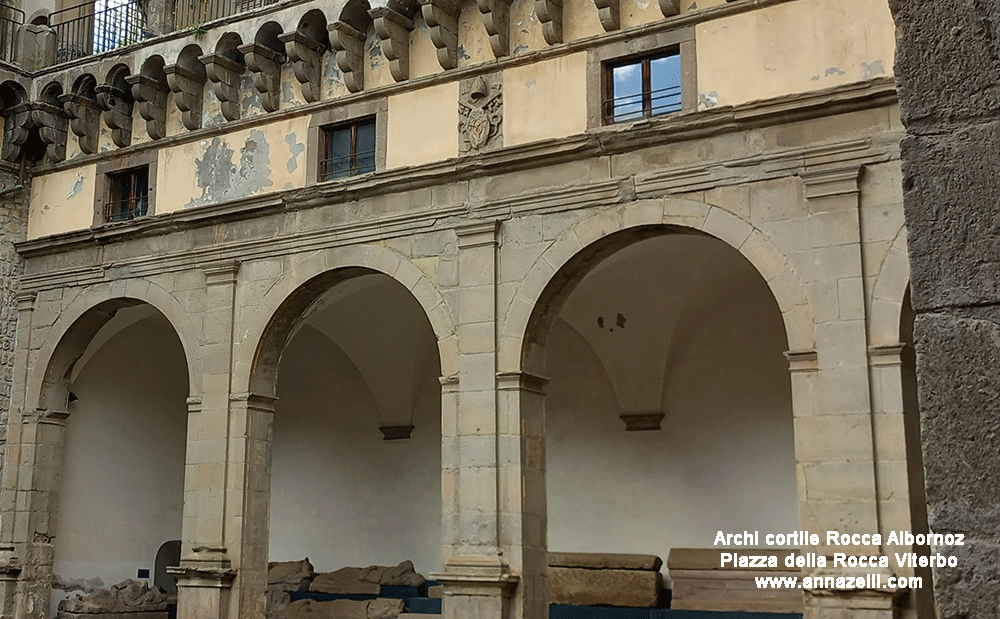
(668, 411)
(121, 491)
(356, 455)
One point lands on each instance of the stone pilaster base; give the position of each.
(10, 569)
(479, 587)
(204, 584)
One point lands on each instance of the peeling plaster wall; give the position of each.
(123, 465)
(62, 201)
(791, 48)
(236, 165)
(545, 100)
(431, 134)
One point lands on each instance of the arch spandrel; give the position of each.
(68, 337)
(590, 240)
(263, 337)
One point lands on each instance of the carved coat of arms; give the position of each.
(480, 108)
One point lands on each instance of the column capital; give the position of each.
(477, 233)
(26, 301)
(221, 272)
(840, 179)
(477, 576)
(526, 381)
(890, 355)
(802, 360)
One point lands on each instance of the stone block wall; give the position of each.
(13, 224)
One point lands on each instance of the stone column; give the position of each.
(477, 575)
(948, 71)
(834, 439)
(206, 572)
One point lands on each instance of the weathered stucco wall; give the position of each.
(430, 134)
(236, 165)
(62, 201)
(791, 48)
(948, 69)
(545, 100)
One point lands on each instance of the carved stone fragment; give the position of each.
(393, 29)
(123, 599)
(151, 96)
(349, 43)
(187, 81)
(549, 12)
(480, 114)
(442, 18)
(224, 71)
(264, 64)
(496, 18)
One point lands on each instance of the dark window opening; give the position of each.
(129, 195)
(349, 150)
(643, 87)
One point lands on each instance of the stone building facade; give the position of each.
(510, 285)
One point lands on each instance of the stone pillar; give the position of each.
(948, 72)
(160, 16)
(477, 574)
(834, 439)
(36, 47)
(206, 573)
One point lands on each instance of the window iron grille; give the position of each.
(98, 26)
(191, 13)
(11, 19)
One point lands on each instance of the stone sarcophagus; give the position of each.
(700, 583)
(131, 599)
(584, 579)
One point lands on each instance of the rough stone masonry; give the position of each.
(948, 72)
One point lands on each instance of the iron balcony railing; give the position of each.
(11, 20)
(193, 13)
(97, 26)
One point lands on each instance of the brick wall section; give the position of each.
(13, 225)
(948, 72)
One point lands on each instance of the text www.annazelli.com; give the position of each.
(868, 581)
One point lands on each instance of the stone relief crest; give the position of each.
(480, 114)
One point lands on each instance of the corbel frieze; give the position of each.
(187, 84)
(496, 18)
(609, 12)
(264, 64)
(84, 119)
(16, 125)
(549, 13)
(150, 95)
(224, 75)
(393, 30)
(306, 54)
(349, 44)
(52, 123)
(442, 18)
(117, 106)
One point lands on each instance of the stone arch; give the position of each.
(67, 339)
(84, 111)
(891, 285)
(115, 97)
(593, 238)
(264, 57)
(305, 47)
(223, 69)
(15, 110)
(186, 78)
(272, 324)
(149, 89)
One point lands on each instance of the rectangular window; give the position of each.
(642, 87)
(128, 196)
(349, 150)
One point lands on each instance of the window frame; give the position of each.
(354, 169)
(645, 62)
(122, 176)
(107, 170)
(602, 59)
(352, 113)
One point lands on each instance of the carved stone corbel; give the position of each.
(442, 18)
(306, 54)
(264, 64)
(84, 119)
(549, 13)
(151, 96)
(496, 18)
(224, 75)
(349, 44)
(393, 30)
(609, 12)
(187, 84)
(670, 7)
(16, 126)
(117, 105)
(52, 123)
